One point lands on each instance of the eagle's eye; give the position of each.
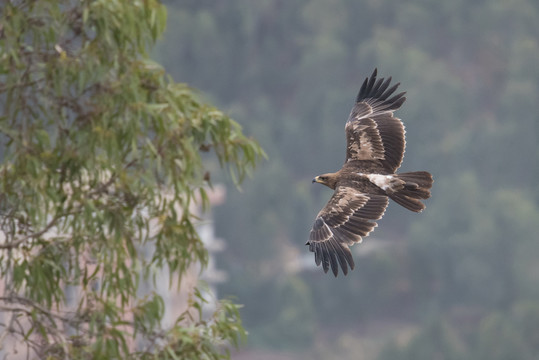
(323, 178)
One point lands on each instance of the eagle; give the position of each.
(374, 150)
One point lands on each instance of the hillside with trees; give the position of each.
(458, 281)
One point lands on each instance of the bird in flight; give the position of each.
(374, 151)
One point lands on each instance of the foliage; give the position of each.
(101, 171)
(500, 335)
(438, 340)
(285, 325)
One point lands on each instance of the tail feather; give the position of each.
(423, 179)
(408, 202)
(417, 186)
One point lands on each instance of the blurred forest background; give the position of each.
(458, 281)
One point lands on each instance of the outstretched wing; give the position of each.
(372, 132)
(346, 218)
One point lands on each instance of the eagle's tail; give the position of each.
(417, 186)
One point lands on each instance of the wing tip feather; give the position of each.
(378, 90)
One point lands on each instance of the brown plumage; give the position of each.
(374, 151)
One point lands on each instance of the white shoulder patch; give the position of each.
(384, 182)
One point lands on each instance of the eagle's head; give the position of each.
(329, 179)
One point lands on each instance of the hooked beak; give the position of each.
(315, 180)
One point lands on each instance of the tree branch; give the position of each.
(16, 243)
